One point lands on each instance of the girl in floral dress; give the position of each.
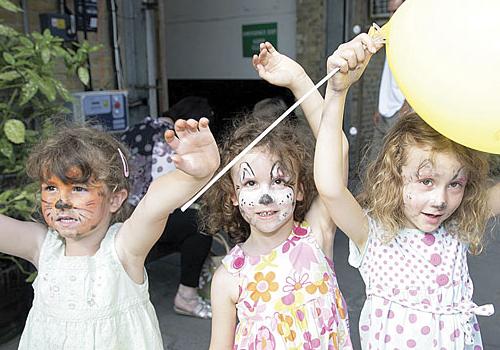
(277, 287)
(425, 204)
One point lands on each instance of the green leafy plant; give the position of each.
(30, 98)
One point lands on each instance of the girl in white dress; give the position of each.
(425, 204)
(91, 291)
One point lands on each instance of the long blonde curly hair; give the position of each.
(382, 194)
(290, 141)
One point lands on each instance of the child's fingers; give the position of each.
(350, 56)
(171, 139)
(335, 61)
(255, 61)
(359, 50)
(270, 47)
(203, 124)
(192, 126)
(262, 72)
(368, 43)
(180, 128)
(263, 56)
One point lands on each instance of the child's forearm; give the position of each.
(169, 192)
(330, 176)
(313, 105)
(313, 109)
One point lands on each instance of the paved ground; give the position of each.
(186, 333)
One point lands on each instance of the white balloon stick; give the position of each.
(258, 139)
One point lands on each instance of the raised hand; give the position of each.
(276, 68)
(352, 59)
(196, 152)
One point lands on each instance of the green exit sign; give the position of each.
(254, 34)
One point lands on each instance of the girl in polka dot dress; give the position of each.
(424, 206)
(91, 291)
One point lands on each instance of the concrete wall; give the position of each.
(204, 37)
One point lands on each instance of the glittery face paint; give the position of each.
(74, 210)
(265, 194)
(434, 185)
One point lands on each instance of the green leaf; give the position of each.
(27, 92)
(95, 48)
(37, 36)
(47, 88)
(47, 35)
(26, 42)
(63, 92)
(9, 76)
(83, 75)
(45, 55)
(9, 6)
(6, 149)
(14, 130)
(7, 31)
(4, 196)
(9, 58)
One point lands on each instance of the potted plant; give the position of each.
(30, 98)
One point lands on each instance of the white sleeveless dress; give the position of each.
(88, 302)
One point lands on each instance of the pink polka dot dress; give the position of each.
(419, 292)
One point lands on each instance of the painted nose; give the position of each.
(265, 199)
(440, 206)
(61, 205)
(440, 202)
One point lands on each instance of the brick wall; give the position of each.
(311, 54)
(101, 62)
(311, 37)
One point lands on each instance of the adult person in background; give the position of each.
(151, 158)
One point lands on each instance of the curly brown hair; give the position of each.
(92, 151)
(382, 194)
(290, 141)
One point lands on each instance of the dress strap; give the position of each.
(235, 260)
(53, 246)
(302, 229)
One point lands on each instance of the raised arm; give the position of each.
(281, 70)
(343, 208)
(196, 159)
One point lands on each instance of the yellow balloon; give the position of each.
(445, 57)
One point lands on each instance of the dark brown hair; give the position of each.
(290, 141)
(93, 152)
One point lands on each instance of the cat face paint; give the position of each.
(434, 185)
(265, 195)
(74, 210)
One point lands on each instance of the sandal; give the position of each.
(202, 309)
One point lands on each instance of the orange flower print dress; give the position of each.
(289, 299)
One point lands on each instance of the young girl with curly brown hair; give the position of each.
(91, 291)
(424, 206)
(277, 288)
